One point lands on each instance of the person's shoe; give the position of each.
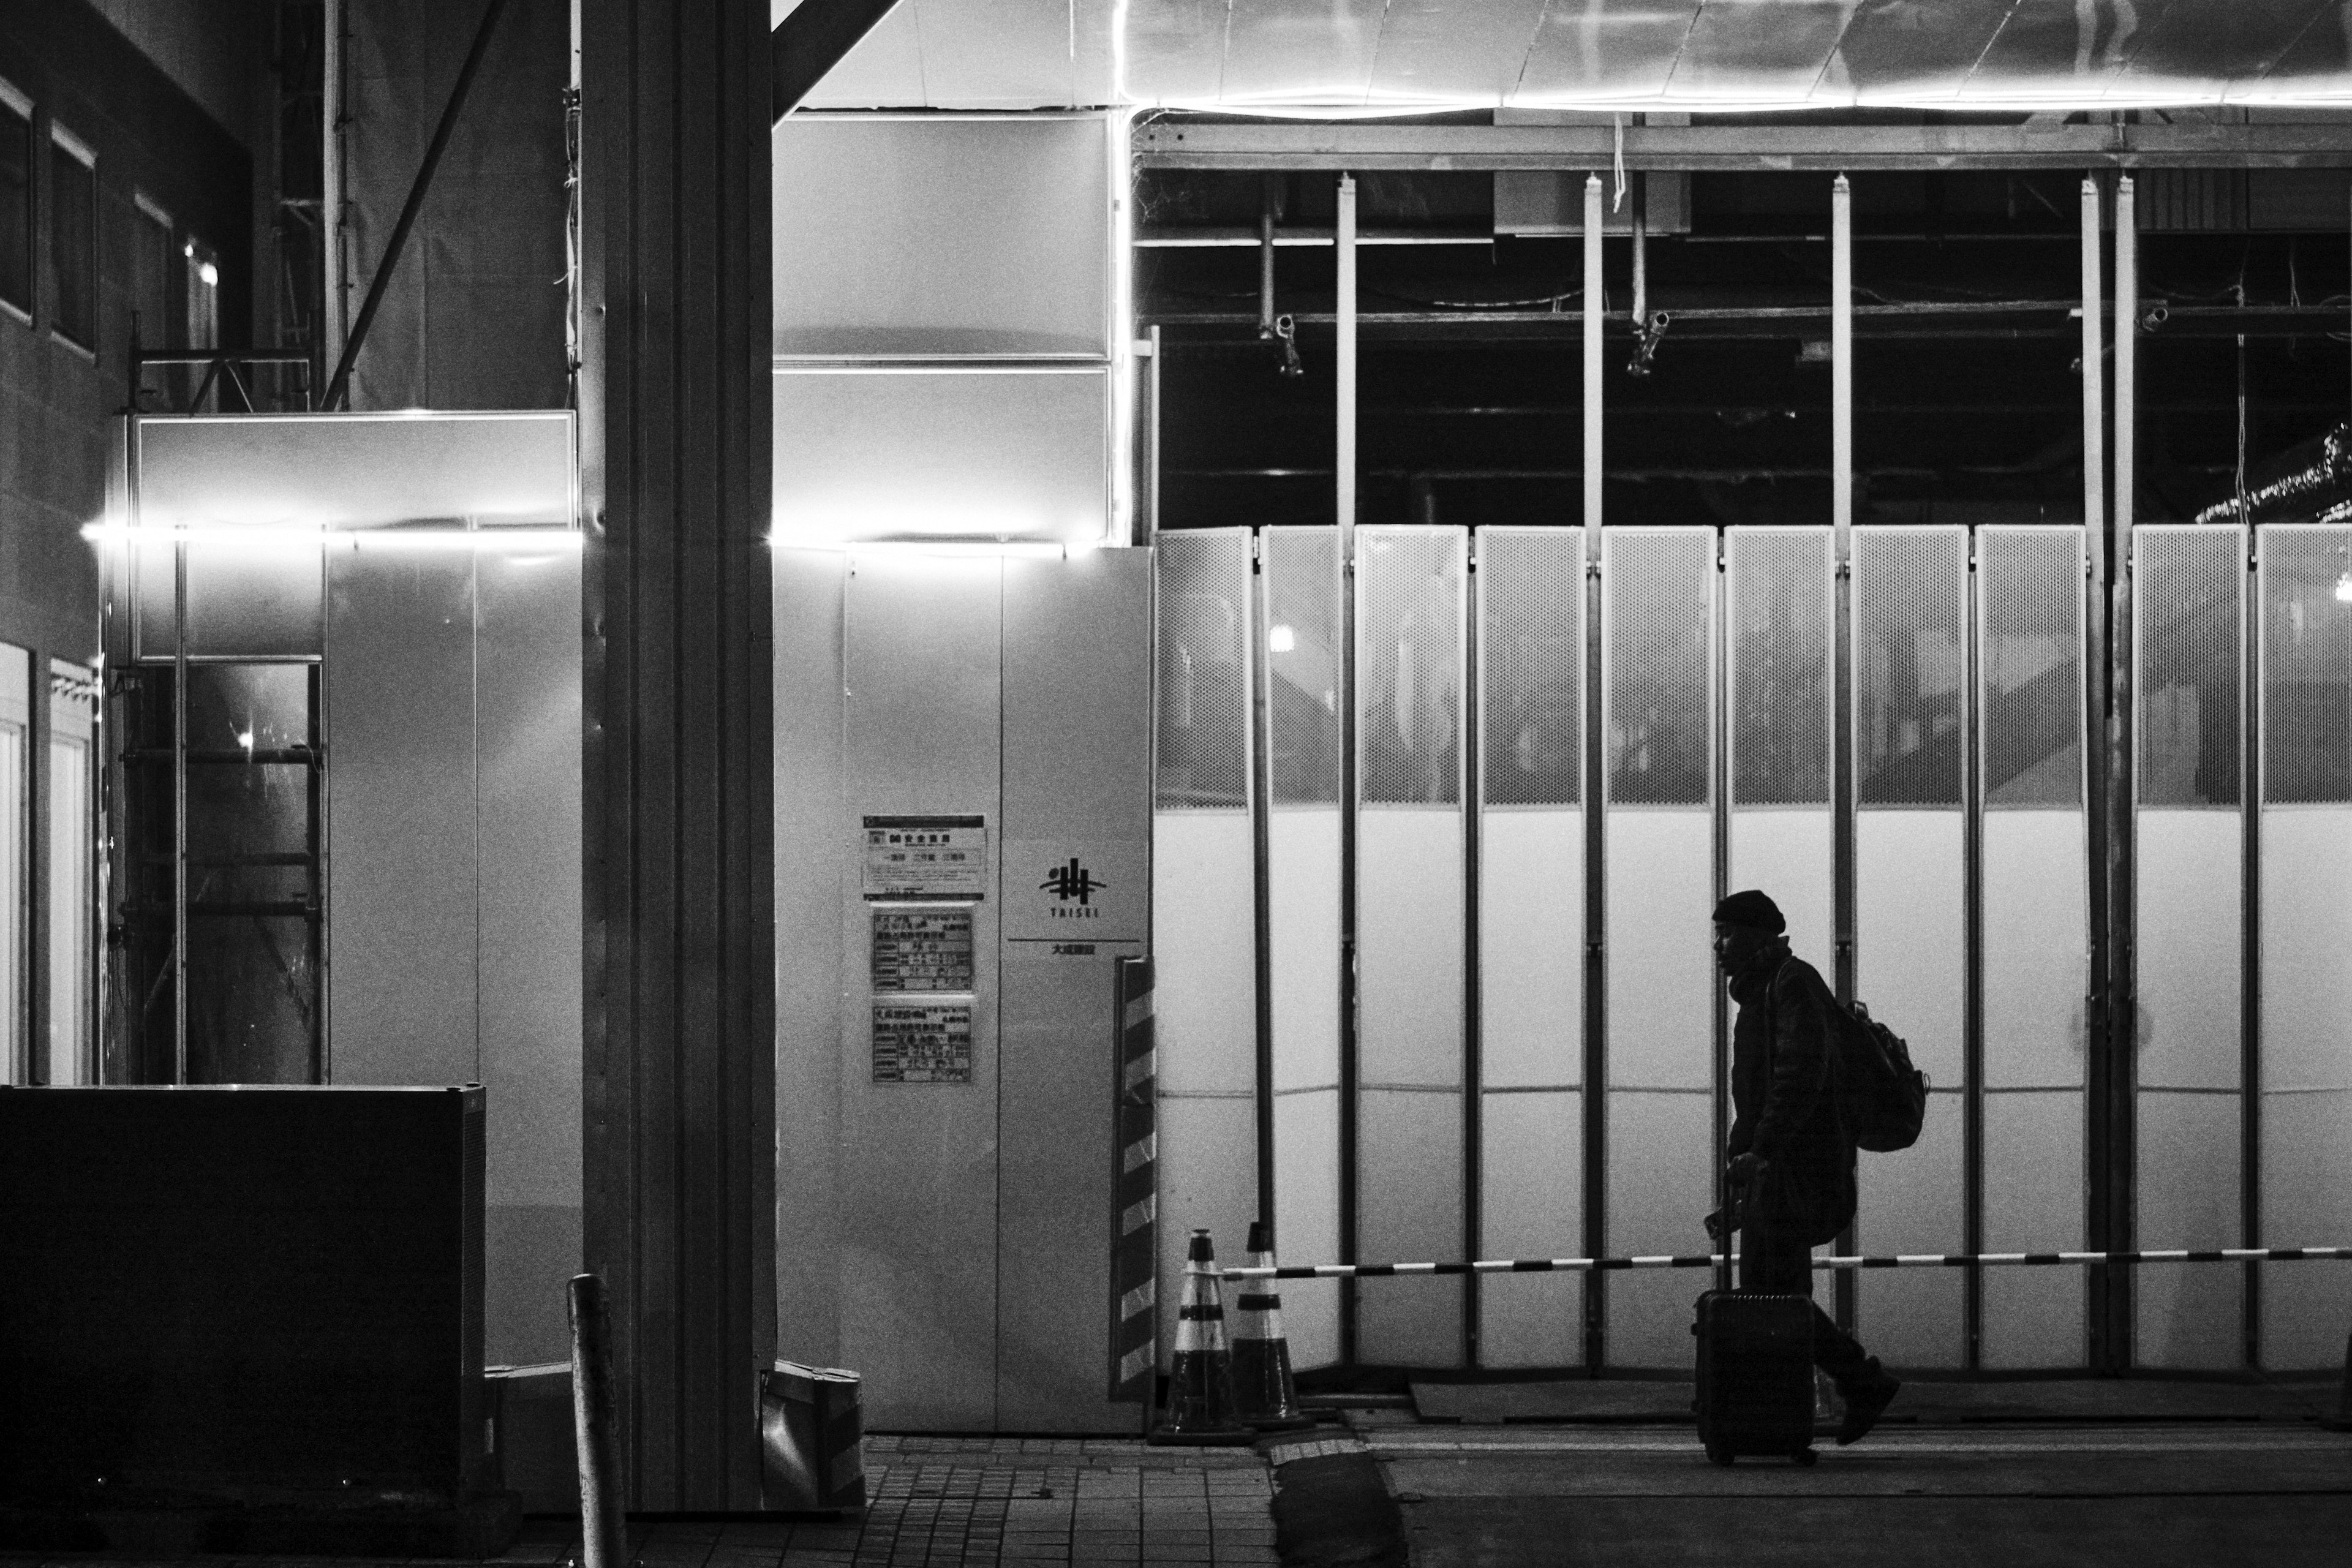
(1865, 1402)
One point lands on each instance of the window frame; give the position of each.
(61, 140)
(16, 102)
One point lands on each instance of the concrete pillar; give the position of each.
(675, 435)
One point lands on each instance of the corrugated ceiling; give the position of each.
(1351, 57)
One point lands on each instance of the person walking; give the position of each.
(1789, 1150)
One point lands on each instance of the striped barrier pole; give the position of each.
(1135, 1256)
(1713, 1260)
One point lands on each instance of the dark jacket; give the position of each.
(1783, 1098)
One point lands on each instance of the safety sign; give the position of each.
(926, 857)
(922, 1042)
(926, 947)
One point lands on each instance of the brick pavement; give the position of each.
(943, 1502)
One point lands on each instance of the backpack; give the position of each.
(1880, 1096)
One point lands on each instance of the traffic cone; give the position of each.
(1199, 1410)
(1263, 1395)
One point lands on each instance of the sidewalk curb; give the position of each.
(1331, 1507)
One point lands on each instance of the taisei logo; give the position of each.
(1072, 883)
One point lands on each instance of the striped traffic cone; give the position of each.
(1263, 1395)
(1199, 1411)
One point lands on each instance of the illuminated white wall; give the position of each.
(430, 563)
(950, 338)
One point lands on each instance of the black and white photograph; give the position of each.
(1175, 784)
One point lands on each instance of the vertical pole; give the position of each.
(1842, 897)
(1343, 468)
(1259, 667)
(1151, 445)
(1267, 185)
(2094, 759)
(1471, 773)
(179, 810)
(603, 1526)
(1594, 303)
(2123, 1007)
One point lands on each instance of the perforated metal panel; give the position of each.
(1778, 583)
(1203, 698)
(2029, 589)
(1410, 652)
(1908, 665)
(2189, 613)
(2306, 600)
(1657, 593)
(1531, 666)
(1299, 570)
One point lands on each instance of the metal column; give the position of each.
(676, 437)
(1594, 304)
(2121, 1101)
(1343, 468)
(1841, 873)
(2098, 769)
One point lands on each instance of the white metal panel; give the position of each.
(1915, 1201)
(1076, 781)
(1206, 965)
(1306, 1219)
(1786, 851)
(355, 470)
(1409, 941)
(969, 450)
(942, 235)
(1531, 948)
(2036, 949)
(398, 723)
(2029, 752)
(2306, 932)
(2306, 1187)
(2190, 913)
(1207, 1181)
(527, 823)
(1531, 1204)
(1661, 1183)
(1910, 967)
(1303, 940)
(1910, 950)
(1661, 965)
(1409, 1208)
(2306, 1166)
(2034, 1201)
(811, 816)
(2193, 1317)
(919, 1190)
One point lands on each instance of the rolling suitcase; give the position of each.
(1755, 1375)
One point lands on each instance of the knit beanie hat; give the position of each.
(1751, 908)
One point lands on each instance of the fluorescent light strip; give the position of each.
(1022, 549)
(524, 540)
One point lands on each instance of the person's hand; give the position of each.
(1743, 1168)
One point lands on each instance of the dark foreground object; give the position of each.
(245, 1320)
(1755, 1390)
(1335, 1511)
(2144, 1496)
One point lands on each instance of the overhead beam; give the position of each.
(811, 42)
(1828, 148)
